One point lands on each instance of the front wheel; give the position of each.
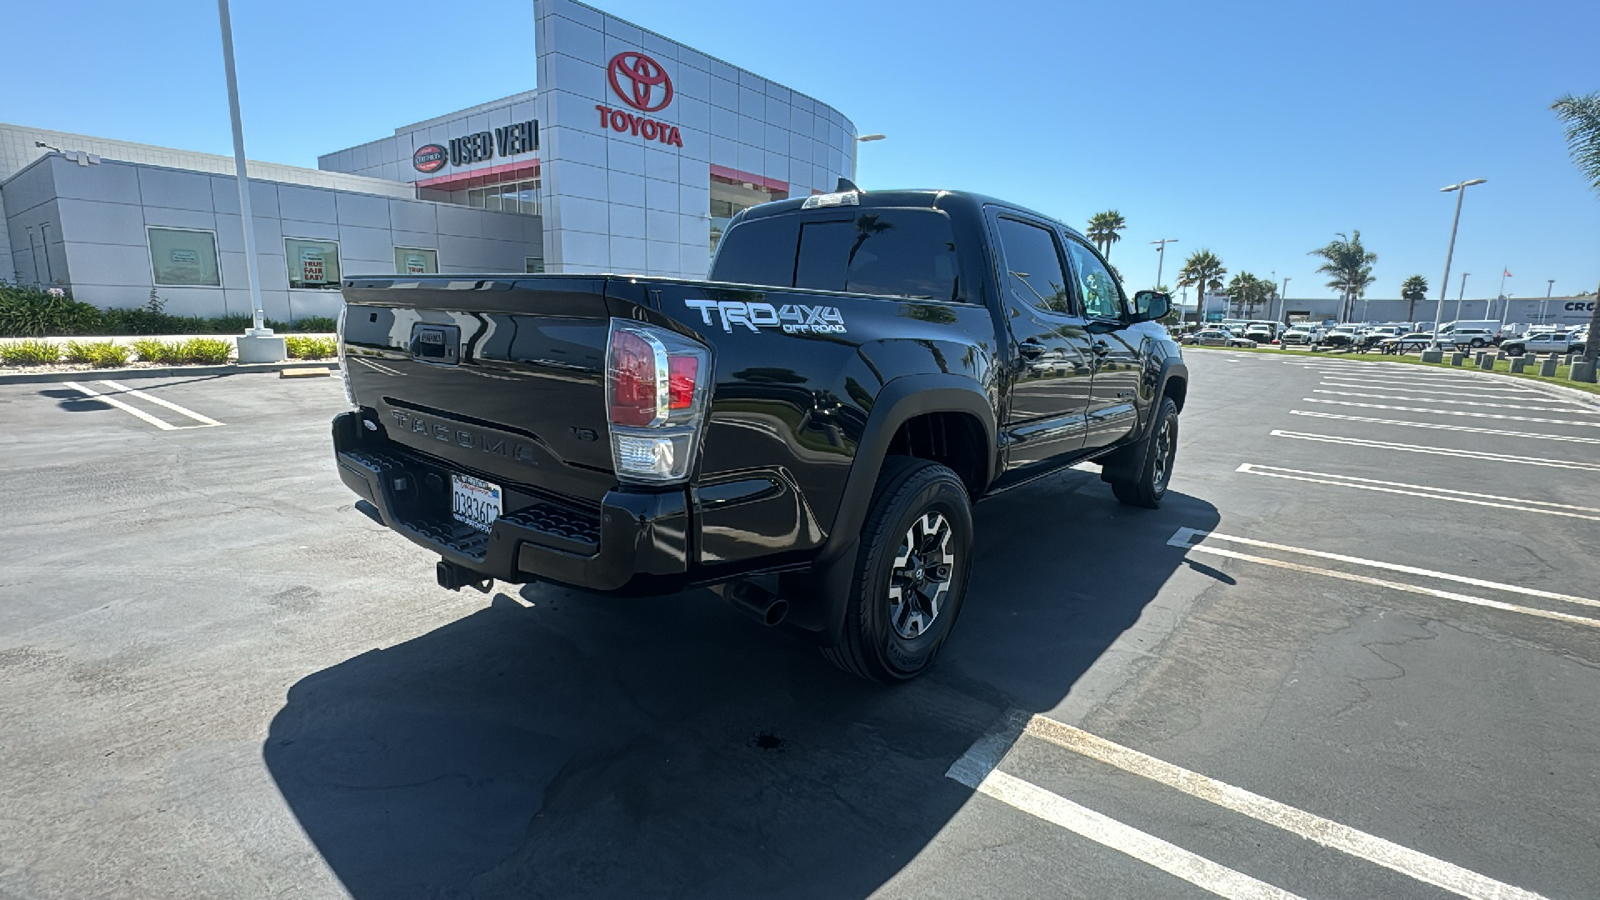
(1151, 472)
(1477, 342)
(910, 574)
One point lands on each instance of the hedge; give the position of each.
(41, 312)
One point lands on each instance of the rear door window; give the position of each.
(889, 252)
(1033, 265)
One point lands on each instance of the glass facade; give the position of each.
(521, 196)
(415, 261)
(728, 198)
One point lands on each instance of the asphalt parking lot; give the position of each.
(1355, 654)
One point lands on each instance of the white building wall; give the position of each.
(17, 150)
(98, 218)
(617, 202)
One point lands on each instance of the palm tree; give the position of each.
(1204, 271)
(1415, 288)
(1103, 228)
(1581, 118)
(1248, 291)
(1348, 266)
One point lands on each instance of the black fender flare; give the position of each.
(823, 611)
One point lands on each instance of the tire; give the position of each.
(1477, 342)
(1516, 350)
(1152, 471)
(893, 628)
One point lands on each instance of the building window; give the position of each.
(521, 197)
(415, 261)
(729, 198)
(312, 264)
(533, 265)
(181, 256)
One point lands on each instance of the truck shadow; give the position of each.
(588, 747)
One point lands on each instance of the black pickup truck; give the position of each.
(804, 433)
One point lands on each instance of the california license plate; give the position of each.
(475, 502)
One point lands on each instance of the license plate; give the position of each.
(475, 502)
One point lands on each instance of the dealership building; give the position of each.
(629, 155)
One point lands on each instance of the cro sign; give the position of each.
(642, 83)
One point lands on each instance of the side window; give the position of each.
(1101, 299)
(1033, 269)
(889, 252)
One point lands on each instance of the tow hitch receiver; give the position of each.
(453, 577)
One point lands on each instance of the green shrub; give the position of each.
(316, 324)
(100, 354)
(29, 353)
(234, 324)
(34, 312)
(310, 347)
(147, 349)
(204, 351)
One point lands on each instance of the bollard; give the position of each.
(1518, 364)
(1500, 354)
(1582, 371)
(1457, 359)
(1433, 356)
(1487, 362)
(1547, 369)
(1477, 358)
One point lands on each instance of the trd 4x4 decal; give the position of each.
(793, 318)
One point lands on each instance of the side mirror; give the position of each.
(1149, 306)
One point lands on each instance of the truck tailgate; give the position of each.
(502, 378)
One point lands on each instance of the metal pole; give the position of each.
(1283, 302)
(252, 270)
(35, 254)
(1449, 255)
(1459, 297)
(1544, 308)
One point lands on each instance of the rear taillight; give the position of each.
(656, 385)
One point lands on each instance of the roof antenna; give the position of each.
(845, 184)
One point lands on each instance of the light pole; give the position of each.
(855, 157)
(1444, 283)
(1161, 248)
(1544, 308)
(1459, 297)
(1283, 302)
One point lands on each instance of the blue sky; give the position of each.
(1256, 130)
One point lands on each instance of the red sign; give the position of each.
(428, 158)
(643, 75)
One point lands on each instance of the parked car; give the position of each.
(1261, 334)
(1218, 337)
(1544, 342)
(806, 438)
(1467, 337)
(1304, 334)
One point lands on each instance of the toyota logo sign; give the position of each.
(643, 76)
(428, 158)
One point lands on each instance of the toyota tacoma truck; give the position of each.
(805, 433)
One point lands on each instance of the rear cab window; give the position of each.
(889, 252)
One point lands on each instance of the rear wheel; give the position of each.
(1143, 482)
(910, 575)
(1477, 342)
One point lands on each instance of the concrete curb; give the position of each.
(161, 372)
(1581, 396)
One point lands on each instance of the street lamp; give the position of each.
(1444, 283)
(1459, 296)
(1544, 308)
(1283, 302)
(862, 139)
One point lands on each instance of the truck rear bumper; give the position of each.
(635, 543)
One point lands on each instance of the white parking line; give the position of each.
(1385, 583)
(164, 426)
(1436, 451)
(1460, 382)
(1184, 537)
(1418, 490)
(979, 768)
(1494, 392)
(1108, 832)
(204, 420)
(1554, 409)
(1326, 832)
(1454, 412)
(1442, 427)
